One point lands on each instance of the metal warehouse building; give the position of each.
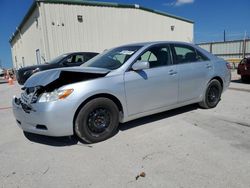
(53, 27)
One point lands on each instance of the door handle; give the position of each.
(172, 72)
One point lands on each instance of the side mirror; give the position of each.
(140, 65)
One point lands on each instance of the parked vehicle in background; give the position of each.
(65, 60)
(120, 85)
(244, 69)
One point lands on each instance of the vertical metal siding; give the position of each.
(229, 49)
(102, 28)
(106, 27)
(28, 40)
(248, 47)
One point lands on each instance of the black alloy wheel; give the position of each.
(212, 95)
(97, 120)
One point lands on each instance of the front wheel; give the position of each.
(212, 95)
(97, 120)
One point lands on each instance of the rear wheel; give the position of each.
(212, 95)
(243, 79)
(97, 120)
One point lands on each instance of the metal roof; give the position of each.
(108, 4)
(92, 3)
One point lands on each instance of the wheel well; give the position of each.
(109, 96)
(219, 79)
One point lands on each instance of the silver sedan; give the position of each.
(117, 86)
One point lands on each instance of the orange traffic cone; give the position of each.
(10, 81)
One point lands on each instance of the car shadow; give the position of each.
(73, 140)
(157, 117)
(52, 141)
(239, 81)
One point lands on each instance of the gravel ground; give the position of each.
(185, 147)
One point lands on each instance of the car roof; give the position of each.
(69, 53)
(157, 42)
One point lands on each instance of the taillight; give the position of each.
(228, 66)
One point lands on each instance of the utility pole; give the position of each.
(224, 35)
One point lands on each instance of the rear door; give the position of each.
(155, 87)
(193, 68)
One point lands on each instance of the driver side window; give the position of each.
(148, 56)
(156, 56)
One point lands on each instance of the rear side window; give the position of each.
(187, 54)
(201, 57)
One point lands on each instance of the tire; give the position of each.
(212, 95)
(98, 120)
(244, 79)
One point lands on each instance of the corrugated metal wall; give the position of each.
(229, 49)
(248, 47)
(28, 40)
(58, 30)
(106, 27)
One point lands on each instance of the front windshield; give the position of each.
(112, 59)
(57, 59)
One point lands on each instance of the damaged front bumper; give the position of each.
(55, 117)
(51, 119)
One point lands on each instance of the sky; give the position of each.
(211, 18)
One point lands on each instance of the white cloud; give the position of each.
(182, 2)
(179, 2)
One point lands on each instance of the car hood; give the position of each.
(55, 78)
(33, 67)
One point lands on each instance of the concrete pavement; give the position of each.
(185, 147)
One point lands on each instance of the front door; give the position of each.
(155, 87)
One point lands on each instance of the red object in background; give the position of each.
(244, 69)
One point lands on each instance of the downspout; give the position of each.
(45, 38)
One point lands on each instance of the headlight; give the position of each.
(55, 95)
